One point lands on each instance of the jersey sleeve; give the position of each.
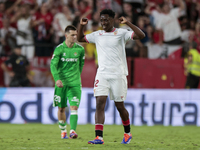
(90, 38)
(176, 12)
(128, 35)
(54, 64)
(159, 24)
(82, 59)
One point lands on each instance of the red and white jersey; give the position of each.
(111, 50)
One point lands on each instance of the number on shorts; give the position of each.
(96, 82)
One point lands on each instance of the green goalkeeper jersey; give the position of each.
(67, 64)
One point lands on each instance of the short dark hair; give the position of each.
(109, 12)
(70, 27)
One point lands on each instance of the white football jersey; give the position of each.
(111, 49)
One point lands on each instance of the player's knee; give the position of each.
(61, 110)
(73, 108)
(120, 107)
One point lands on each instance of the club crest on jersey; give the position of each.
(64, 54)
(75, 53)
(115, 33)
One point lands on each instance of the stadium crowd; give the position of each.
(38, 25)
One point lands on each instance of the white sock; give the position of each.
(101, 138)
(63, 131)
(71, 130)
(128, 133)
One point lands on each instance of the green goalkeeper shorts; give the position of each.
(61, 95)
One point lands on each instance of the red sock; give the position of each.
(126, 125)
(99, 130)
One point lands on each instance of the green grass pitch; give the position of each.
(40, 136)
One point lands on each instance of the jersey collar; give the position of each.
(111, 31)
(65, 45)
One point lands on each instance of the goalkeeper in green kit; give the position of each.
(66, 67)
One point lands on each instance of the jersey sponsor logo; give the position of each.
(57, 99)
(64, 54)
(115, 33)
(75, 99)
(69, 59)
(100, 33)
(75, 53)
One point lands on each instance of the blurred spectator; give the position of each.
(136, 3)
(166, 21)
(7, 38)
(142, 26)
(115, 5)
(42, 21)
(58, 4)
(2, 13)
(85, 8)
(192, 67)
(155, 13)
(143, 52)
(129, 11)
(20, 68)
(61, 20)
(24, 30)
(197, 35)
(186, 31)
(134, 52)
(187, 40)
(169, 24)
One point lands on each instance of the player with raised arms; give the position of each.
(112, 71)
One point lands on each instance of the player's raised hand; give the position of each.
(59, 83)
(84, 21)
(123, 20)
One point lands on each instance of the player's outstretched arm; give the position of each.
(81, 35)
(138, 34)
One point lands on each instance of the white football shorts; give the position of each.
(114, 85)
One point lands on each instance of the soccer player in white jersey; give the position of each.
(112, 71)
